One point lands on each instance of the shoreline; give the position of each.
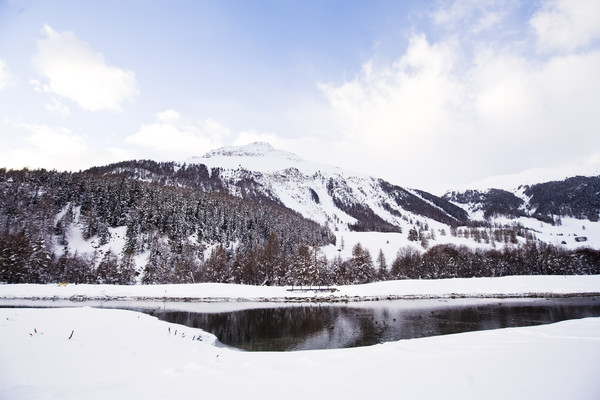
(314, 299)
(539, 286)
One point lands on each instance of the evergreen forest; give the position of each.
(175, 233)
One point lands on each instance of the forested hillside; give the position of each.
(577, 197)
(149, 222)
(40, 209)
(357, 203)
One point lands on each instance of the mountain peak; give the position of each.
(256, 149)
(257, 156)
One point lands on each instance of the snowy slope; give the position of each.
(320, 192)
(86, 353)
(259, 157)
(349, 203)
(295, 182)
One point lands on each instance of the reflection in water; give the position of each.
(361, 324)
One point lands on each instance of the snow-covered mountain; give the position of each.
(577, 197)
(331, 196)
(380, 214)
(249, 214)
(259, 156)
(563, 213)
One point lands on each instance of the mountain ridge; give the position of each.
(287, 222)
(577, 197)
(347, 202)
(331, 196)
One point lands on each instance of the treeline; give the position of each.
(45, 203)
(577, 197)
(26, 260)
(40, 211)
(533, 258)
(178, 234)
(23, 260)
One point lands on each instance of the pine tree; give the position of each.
(382, 272)
(413, 235)
(340, 271)
(270, 259)
(187, 265)
(73, 268)
(108, 270)
(303, 266)
(127, 269)
(218, 267)
(324, 275)
(39, 264)
(158, 268)
(362, 265)
(15, 252)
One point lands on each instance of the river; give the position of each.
(291, 327)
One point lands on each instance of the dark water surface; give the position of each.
(329, 326)
(289, 327)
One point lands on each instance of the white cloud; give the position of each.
(74, 71)
(169, 116)
(478, 15)
(394, 118)
(52, 147)
(58, 141)
(169, 137)
(432, 117)
(58, 107)
(567, 24)
(42, 146)
(251, 136)
(316, 148)
(37, 85)
(5, 75)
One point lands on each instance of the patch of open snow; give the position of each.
(459, 287)
(90, 353)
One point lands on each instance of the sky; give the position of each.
(425, 94)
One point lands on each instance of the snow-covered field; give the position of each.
(85, 353)
(390, 243)
(509, 286)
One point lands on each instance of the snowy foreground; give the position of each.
(86, 353)
(510, 286)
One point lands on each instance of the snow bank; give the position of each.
(510, 286)
(85, 353)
